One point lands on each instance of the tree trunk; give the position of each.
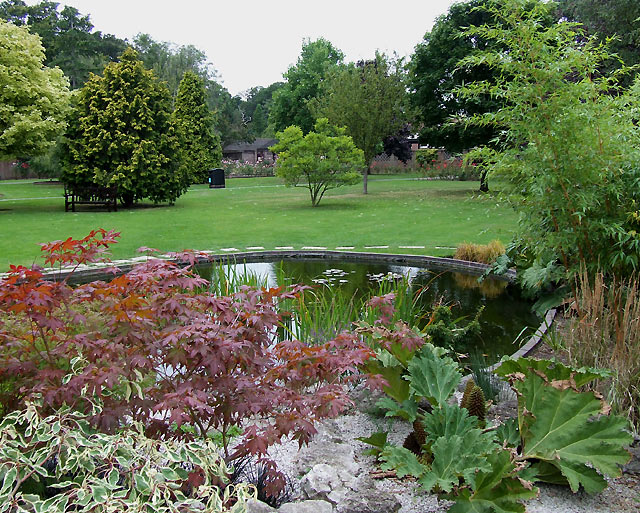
(365, 175)
(484, 183)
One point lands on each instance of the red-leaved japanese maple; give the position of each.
(157, 347)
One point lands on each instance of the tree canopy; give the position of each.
(34, 99)
(67, 36)
(435, 74)
(368, 98)
(120, 134)
(303, 83)
(617, 19)
(321, 160)
(199, 146)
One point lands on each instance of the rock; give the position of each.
(256, 506)
(306, 507)
(349, 494)
(320, 482)
(364, 497)
(340, 455)
(633, 467)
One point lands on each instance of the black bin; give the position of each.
(216, 178)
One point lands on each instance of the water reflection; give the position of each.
(505, 313)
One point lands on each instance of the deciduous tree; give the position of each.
(200, 148)
(435, 74)
(120, 134)
(303, 83)
(368, 99)
(321, 160)
(67, 37)
(34, 99)
(617, 19)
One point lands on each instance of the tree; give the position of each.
(120, 134)
(617, 19)
(200, 148)
(571, 147)
(255, 109)
(368, 99)
(67, 37)
(303, 83)
(321, 160)
(435, 74)
(34, 99)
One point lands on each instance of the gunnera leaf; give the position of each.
(458, 457)
(497, 490)
(508, 432)
(403, 461)
(434, 378)
(447, 421)
(553, 370)
(569, 430)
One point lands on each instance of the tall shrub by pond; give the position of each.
(571, 145)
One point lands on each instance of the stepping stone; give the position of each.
(284, 247)
(314, 247)
(345, 247)
(411, 247)
(444, 247)
(376, 247)
(254, 247)
(229, 249)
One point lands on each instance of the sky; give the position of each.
(252, 43)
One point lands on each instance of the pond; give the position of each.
(506, 318)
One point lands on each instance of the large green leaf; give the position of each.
(553, 370)
(402, 460)
(508, 432)
(447, 421)
(432, 377)
(567, 429)
(458, 456)
(408, 410)
(397, 387)
(498, 490)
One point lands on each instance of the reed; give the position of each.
(604, 331)
(228, 279)
(482, 253)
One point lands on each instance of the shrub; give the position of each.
(562, 435)
(236, 168)
(482, 253)
(425, 157)
(59, 463)
(158, 348)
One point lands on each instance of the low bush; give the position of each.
(158, 348)
(236, 168)
(59, 463)
(482, 253)
(562, 435)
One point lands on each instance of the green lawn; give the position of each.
(398, 211)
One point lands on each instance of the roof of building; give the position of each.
(260, 143)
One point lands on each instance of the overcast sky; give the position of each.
(253, 42)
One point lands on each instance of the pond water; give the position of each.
(506, 318)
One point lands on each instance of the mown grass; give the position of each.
(398, 211)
